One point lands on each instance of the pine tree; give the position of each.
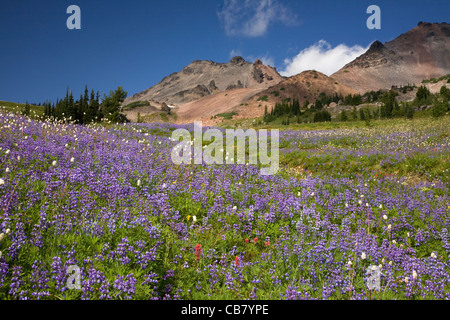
(84, 105)
(362, 115)
(423, 96)
(354, 114)
(27, 110)
(409, 111)
(439, 107)
(111, 105)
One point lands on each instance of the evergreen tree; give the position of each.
(344, 116)
(27, 110)
(71, 111)
(84, 106)
(376, 114)
(99, 109)
(354, 114)
(389, 103)
(445, 92)
(439, 107)
(111, 105)
(423, 96)
(91, 109)
(409, 111)
(362, 114)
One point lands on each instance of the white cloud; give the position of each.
(322, 57)
(252, 18)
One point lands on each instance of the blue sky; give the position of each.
(135, 44)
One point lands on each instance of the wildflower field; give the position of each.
(109, 200)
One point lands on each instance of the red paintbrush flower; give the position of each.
(198, 251)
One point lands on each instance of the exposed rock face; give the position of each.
(237, 60)
(165, 108)
(421, 53)
(203, 78)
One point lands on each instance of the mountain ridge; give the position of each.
(420, 53)
(205, 77)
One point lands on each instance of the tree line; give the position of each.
(88, 108)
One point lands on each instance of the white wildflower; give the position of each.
(363, 256)
(72, 159)
(7, 231)
(349, 263)
(2, 181)
(406, 279)
(2, 235)
(433, 255)
(139, 183)
(7, 170)
(194, 219)
(389, 228)
(384, 217)
(414, 274)
(54, 163)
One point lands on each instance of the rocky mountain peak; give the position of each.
(376, 47)
(237, 60)
(421, 53)
(202, 78)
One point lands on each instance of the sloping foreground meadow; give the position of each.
(108, 203)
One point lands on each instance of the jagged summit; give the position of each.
(421, 53)
(237, 60)
(376, 46)
(204, 77)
